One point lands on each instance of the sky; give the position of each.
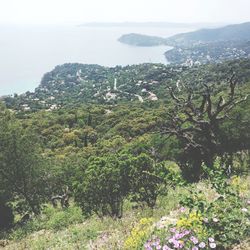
(81, 11)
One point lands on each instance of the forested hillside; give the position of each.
(134, 157)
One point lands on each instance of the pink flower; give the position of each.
(165, 247)
(248, 202)
(194, 239)
(211, 239)
(177, 244)
(195, 248)
(182, 209)
(212, 245)
(186, 232)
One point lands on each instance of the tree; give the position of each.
(102, 187)
(21, 166)
(146, 179)
(195, 120)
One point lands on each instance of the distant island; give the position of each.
(201, 46)
(142, 40)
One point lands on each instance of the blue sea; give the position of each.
(27, 52)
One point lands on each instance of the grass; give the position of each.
(67, 229)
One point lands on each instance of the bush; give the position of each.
(58, 218)
(219, 219)
(226, 217)
(103, 186)
(147, 180)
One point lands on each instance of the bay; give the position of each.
(26, 53)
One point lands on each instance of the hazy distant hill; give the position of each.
(227, 33)
(234, 32)
(201, 46)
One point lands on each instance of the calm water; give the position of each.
(27, 53)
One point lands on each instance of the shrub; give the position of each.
(147, 180)
(102, 187)
(225, 217)
(58, 218)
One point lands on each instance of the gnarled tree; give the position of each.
(195, 121)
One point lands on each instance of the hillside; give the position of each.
(201, 46)
(212, 52)
(234, 32)
(76, 84)
(128, 158)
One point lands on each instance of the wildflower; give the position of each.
(173, 230)
(210, 239)
(248, 202)
(182, 209)
(164, 218)
(244, 209)
(177, 244)
(165, 247)
(179, 235)
(212, 245)
(195, 248)
(205, 220)
(194, 239)
(171, 240)
(156, 243)
(181, 244)
(215, 220)
(202, 245)
(186, 232)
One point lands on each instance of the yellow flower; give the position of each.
(193, 221)
(138, 234)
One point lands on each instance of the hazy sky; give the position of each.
(78, 11)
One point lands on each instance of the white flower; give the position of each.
(244, 209)
(205, 220)
(215, 220)
(212, 245)
(202, 245)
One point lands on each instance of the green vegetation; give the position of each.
(84, 171)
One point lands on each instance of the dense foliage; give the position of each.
(64, 143)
